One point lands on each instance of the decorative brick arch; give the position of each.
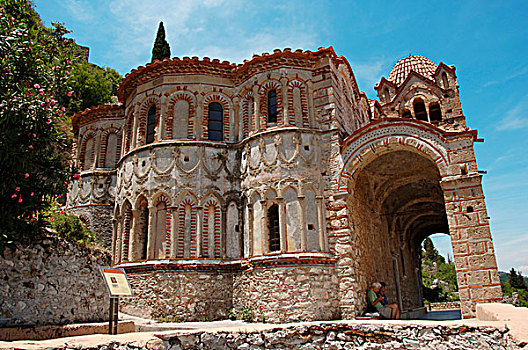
(263, 97)
(190, 201)
(169, 120)
(126, 217)
(292, 84)
(163, 198)
(143, 110)
(104, 144)
(246, 127)
(383, 137)
(225, 102)
(87, 136)
(212, 202)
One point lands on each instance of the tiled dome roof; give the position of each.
(403, 67)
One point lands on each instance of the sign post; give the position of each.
(117, 284)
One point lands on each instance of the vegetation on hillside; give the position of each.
(44, 80)
(438, 276)
(514, 288)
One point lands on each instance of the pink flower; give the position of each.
(67, 72)
(41, 92)
(63, 109)
(52, 102)
(17, 189)
(14, 195)
(31, 194)
(52, 218)
(77, 176)
(20, 200)
(30, 146)
(26, 176)
(49, 121)
(36, 86)
(69, 93)
(42, 104)
(68, 61)
(34, 135)
(62, 212)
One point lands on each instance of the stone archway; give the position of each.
(400, 184)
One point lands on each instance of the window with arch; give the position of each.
(151, 123)
(215, 128)
(273, 228)
(419, 110)
(445, 82)
(386, 94)
(435, 113)
(272, 106)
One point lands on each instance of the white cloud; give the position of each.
(82, 11)
(370, 73)
(515, 118)
(523, 269)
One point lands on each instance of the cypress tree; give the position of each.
(161, 47)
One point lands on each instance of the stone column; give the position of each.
(473, 252)
(223, 235)
(135, 127)
(236, 110)
(241, 230)
(257, 107)
(264, 239)
(285, 102)
(115, 243)
(151, 244)
(199, 233)
(311, 109)
(174, 232)
(282, 225)
(97, 149)
(133, 235)
(163, 112)
(198, 128)
(323, 242)
(302, 222)
(250, 226)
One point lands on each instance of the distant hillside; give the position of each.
(504, 276)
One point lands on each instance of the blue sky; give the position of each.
(487, 41)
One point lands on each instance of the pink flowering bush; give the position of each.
(34, 145)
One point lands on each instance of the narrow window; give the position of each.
(272, 106)
(216, 122)
(445, 82)
(387, 95)
(151, 123)
(435, 112)
(144, 233)
(419, 110)
(273, 227)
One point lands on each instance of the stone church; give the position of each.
(278, 187)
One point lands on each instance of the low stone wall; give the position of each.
(345, 336)
(288, 294)
(52, 282)
(185, 295)
(448, 305)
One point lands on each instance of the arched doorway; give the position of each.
(395, 202)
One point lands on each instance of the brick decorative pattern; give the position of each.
(142, 125)
(168, 219)
(169, 120)
(186, 207)
(263, 97)
(224, 101)
(292, 85)
(212, 203)
(104, 148)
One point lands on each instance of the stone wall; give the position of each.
(98, 219)
(288, 294)
(52, 282)
(190, 295)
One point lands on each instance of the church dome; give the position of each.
(403, 67)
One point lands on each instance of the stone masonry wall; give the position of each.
(52, 282)
(98, 219)
(180, 295)
(288, 294)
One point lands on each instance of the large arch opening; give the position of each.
(395, 202)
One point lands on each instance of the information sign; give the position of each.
(116, 281)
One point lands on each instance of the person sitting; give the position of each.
(375, 300)
(396, 310)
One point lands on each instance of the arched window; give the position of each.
(419, 110)
(151, 123)
(435, 113)
(445, 82)
(406, 114)
(215, 129)
(272, 106)
(273, 228)
(387, 95)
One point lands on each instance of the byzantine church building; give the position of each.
(277, 186)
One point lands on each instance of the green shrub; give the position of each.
(71, 228)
